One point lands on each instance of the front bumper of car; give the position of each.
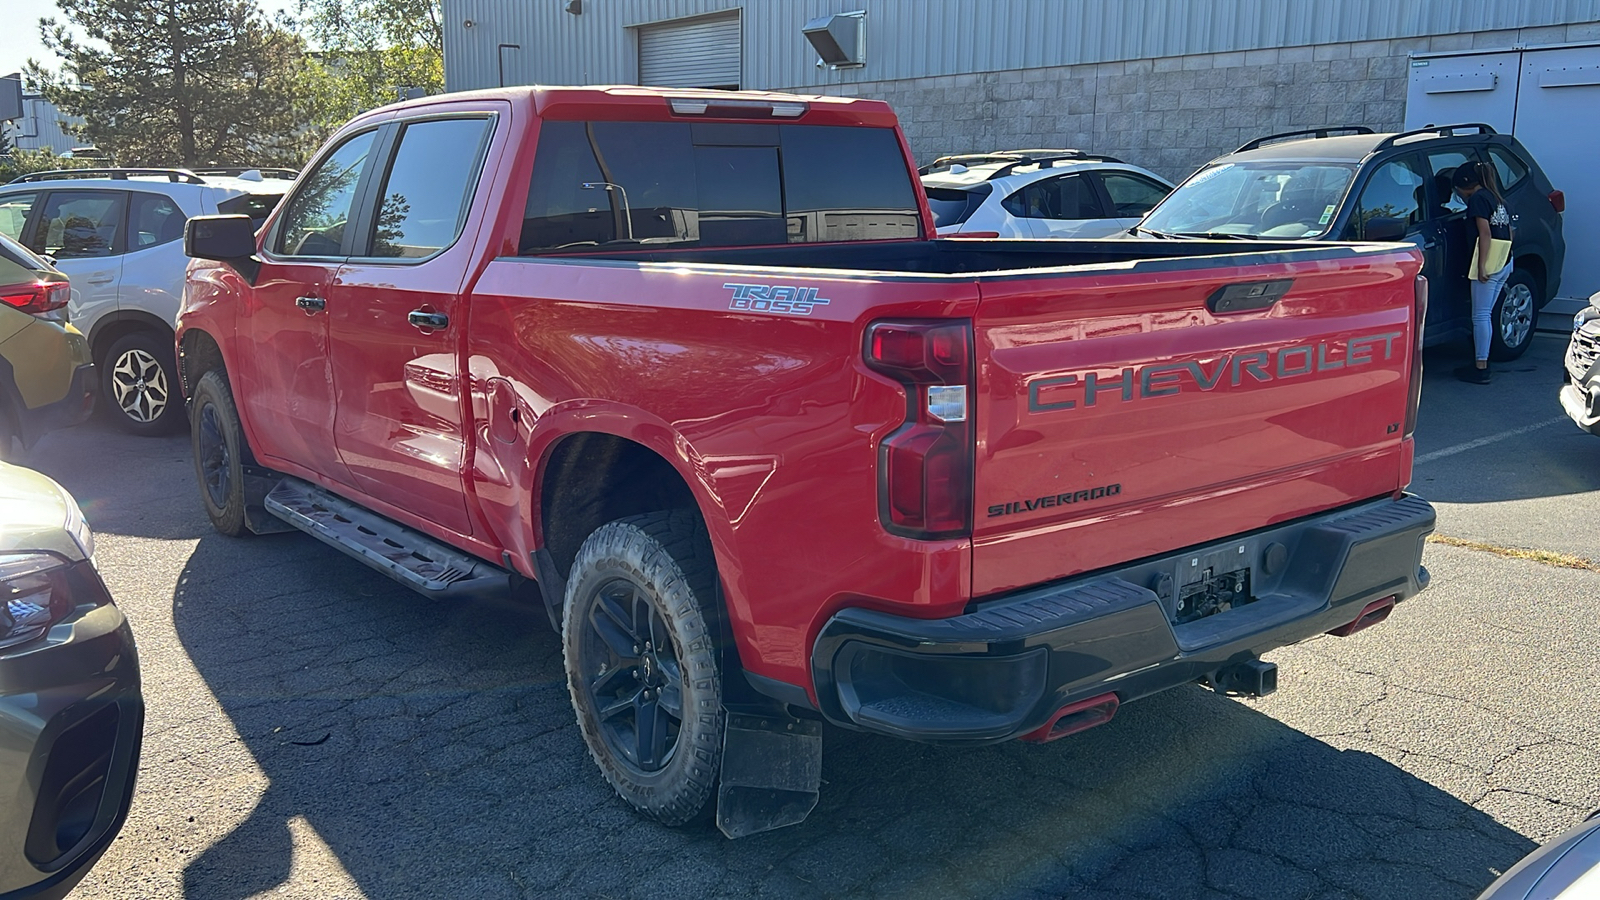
(71, 728)
(1022, 664)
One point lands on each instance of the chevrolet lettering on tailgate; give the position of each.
(1166, 379)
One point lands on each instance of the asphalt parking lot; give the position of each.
(316, 731)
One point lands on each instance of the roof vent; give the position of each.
(840, 40)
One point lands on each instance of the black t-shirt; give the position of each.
(1482, 205)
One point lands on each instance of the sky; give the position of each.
(19, 39)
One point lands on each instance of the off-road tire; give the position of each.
(140, 372)
(219, 467)
(662, 564)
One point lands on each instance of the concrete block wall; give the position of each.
(1174, 114)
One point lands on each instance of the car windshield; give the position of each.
(1268, 199)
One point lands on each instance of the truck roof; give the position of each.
(633, 102)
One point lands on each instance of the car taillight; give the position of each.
(1414, 398)
(925, 466)
(34, 595)
(1559, 201)
(36, 298)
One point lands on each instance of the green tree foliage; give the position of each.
(368, 53)
(16, 163)
(177, 82)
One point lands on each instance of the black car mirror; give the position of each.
(1383, 228)
(226, 239)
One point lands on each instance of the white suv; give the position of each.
(1038, 194)
(118, 235)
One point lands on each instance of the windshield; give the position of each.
(1270, 199)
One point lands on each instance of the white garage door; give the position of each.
(703, 52)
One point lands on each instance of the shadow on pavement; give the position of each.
(129, 491)
(432, 748)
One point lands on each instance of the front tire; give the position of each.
(639, 637)
(1514, 316)
(138, 380)
(220, 453)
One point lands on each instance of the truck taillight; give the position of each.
(925, 466)
(1414, 398)
(39, 297)
(1559, 201)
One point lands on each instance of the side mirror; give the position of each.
(227, 239)
(1383, 228)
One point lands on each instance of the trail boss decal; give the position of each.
(773, 298)
(1049, 500)
(1057, 392)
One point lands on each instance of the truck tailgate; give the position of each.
(1162, 409)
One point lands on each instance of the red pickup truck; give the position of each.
(692, 368)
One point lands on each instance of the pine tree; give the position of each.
(177, 82)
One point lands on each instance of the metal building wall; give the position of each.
(920, 38)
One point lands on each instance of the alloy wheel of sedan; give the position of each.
(140, 385)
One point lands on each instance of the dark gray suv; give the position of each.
(1351, 184)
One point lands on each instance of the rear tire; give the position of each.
(642, 662)
(138, 379)
(220, 453)
(1515, 313)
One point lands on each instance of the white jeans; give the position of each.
(1484, 294)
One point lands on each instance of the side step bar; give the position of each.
(409, 557)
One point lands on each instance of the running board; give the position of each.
(419, 562)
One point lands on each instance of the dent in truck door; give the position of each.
(288, 394)
(396, 317)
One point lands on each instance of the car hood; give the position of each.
(38, 514)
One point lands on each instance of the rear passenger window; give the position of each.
(1066, 197)
(428, 188)
(153, 220)
(78, 225)
(714, 184)
(1507, 167)
(14, 214)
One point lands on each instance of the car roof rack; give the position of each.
(1328, 131)
(280, 172)
(1437, 131)
(1015, 159)
(176, 175)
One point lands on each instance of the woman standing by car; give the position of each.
(1491, 257)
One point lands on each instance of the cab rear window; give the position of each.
(617, 184)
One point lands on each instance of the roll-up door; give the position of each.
(703, 52)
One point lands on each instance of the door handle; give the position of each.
(311, 304)
(428, 321)
(104, 279)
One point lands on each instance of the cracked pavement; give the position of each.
(316, 731)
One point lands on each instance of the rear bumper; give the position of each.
(70, 410)
(71, 728)
(1006, 668)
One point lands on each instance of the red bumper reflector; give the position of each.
(1075, 717)
(1375, 612)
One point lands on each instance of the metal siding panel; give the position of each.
(921, 38)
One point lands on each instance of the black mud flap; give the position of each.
(771, 772)
(259, 482)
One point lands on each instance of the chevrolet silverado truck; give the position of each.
(692, 368)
